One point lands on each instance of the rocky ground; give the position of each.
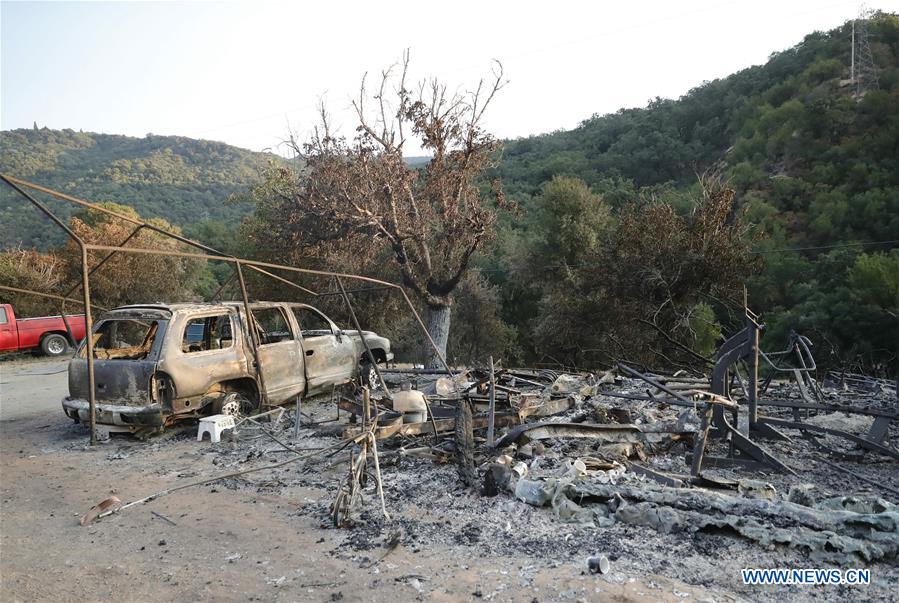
(268, 535)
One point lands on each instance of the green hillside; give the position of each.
(815, 168)
(790, 136)
(183, 180)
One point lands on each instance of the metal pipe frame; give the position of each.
(48, 296)
(86, 294)
(210, 255)
(371, 357)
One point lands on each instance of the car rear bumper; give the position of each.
(115, 414)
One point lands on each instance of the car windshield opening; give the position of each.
(123, 339)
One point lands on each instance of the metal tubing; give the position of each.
(867, 480)
(283, 280)
(254, 336)
(371, 357)
(753, 369)
(222, 286)
(491, 409)
(10, 180)
(92, 394)
(872, 412)
(109, 255)
(654, 383)
(89, 341)
(65, 322)
(47, 295)
(332, 293)
(701, 437)
(861, 441)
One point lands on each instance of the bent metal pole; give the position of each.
(85, 276)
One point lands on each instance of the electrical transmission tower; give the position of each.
(863, 71)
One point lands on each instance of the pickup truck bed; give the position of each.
(47, 334)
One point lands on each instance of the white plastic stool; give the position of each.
(214, 426)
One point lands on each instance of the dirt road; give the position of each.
(247, 541)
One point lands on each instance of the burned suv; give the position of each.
(154, 364)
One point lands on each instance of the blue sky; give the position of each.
(242, 72)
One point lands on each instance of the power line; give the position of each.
(782, 250)
(859, 244)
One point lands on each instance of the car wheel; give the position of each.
(54, 345)
(368, 375)
(233, 403)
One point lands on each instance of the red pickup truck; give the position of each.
(47, 334)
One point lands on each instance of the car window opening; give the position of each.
(123, 339)
(271, 325)
(207, 333)
(312, 324)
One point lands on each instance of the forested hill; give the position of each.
(183, 180)
(814, 164)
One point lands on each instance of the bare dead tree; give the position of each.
(433, 218)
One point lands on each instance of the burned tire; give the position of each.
(368, 375)
(54, 345)
(234, 403)
(464, 438)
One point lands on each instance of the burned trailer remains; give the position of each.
(204, 253)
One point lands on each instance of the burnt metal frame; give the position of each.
(711, 412)
(209, 254)
(744, 346)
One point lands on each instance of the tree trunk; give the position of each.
(438, 322)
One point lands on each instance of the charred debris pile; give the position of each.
(647, 450)
(781, 460)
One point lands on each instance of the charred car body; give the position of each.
(154, 364)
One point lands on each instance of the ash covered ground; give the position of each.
(269, 535)
(430, 506)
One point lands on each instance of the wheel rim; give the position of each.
(231, 407)
(55, 346)
(372, 377)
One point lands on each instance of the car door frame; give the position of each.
(335, 349)
(196, 372)
(281, 364)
